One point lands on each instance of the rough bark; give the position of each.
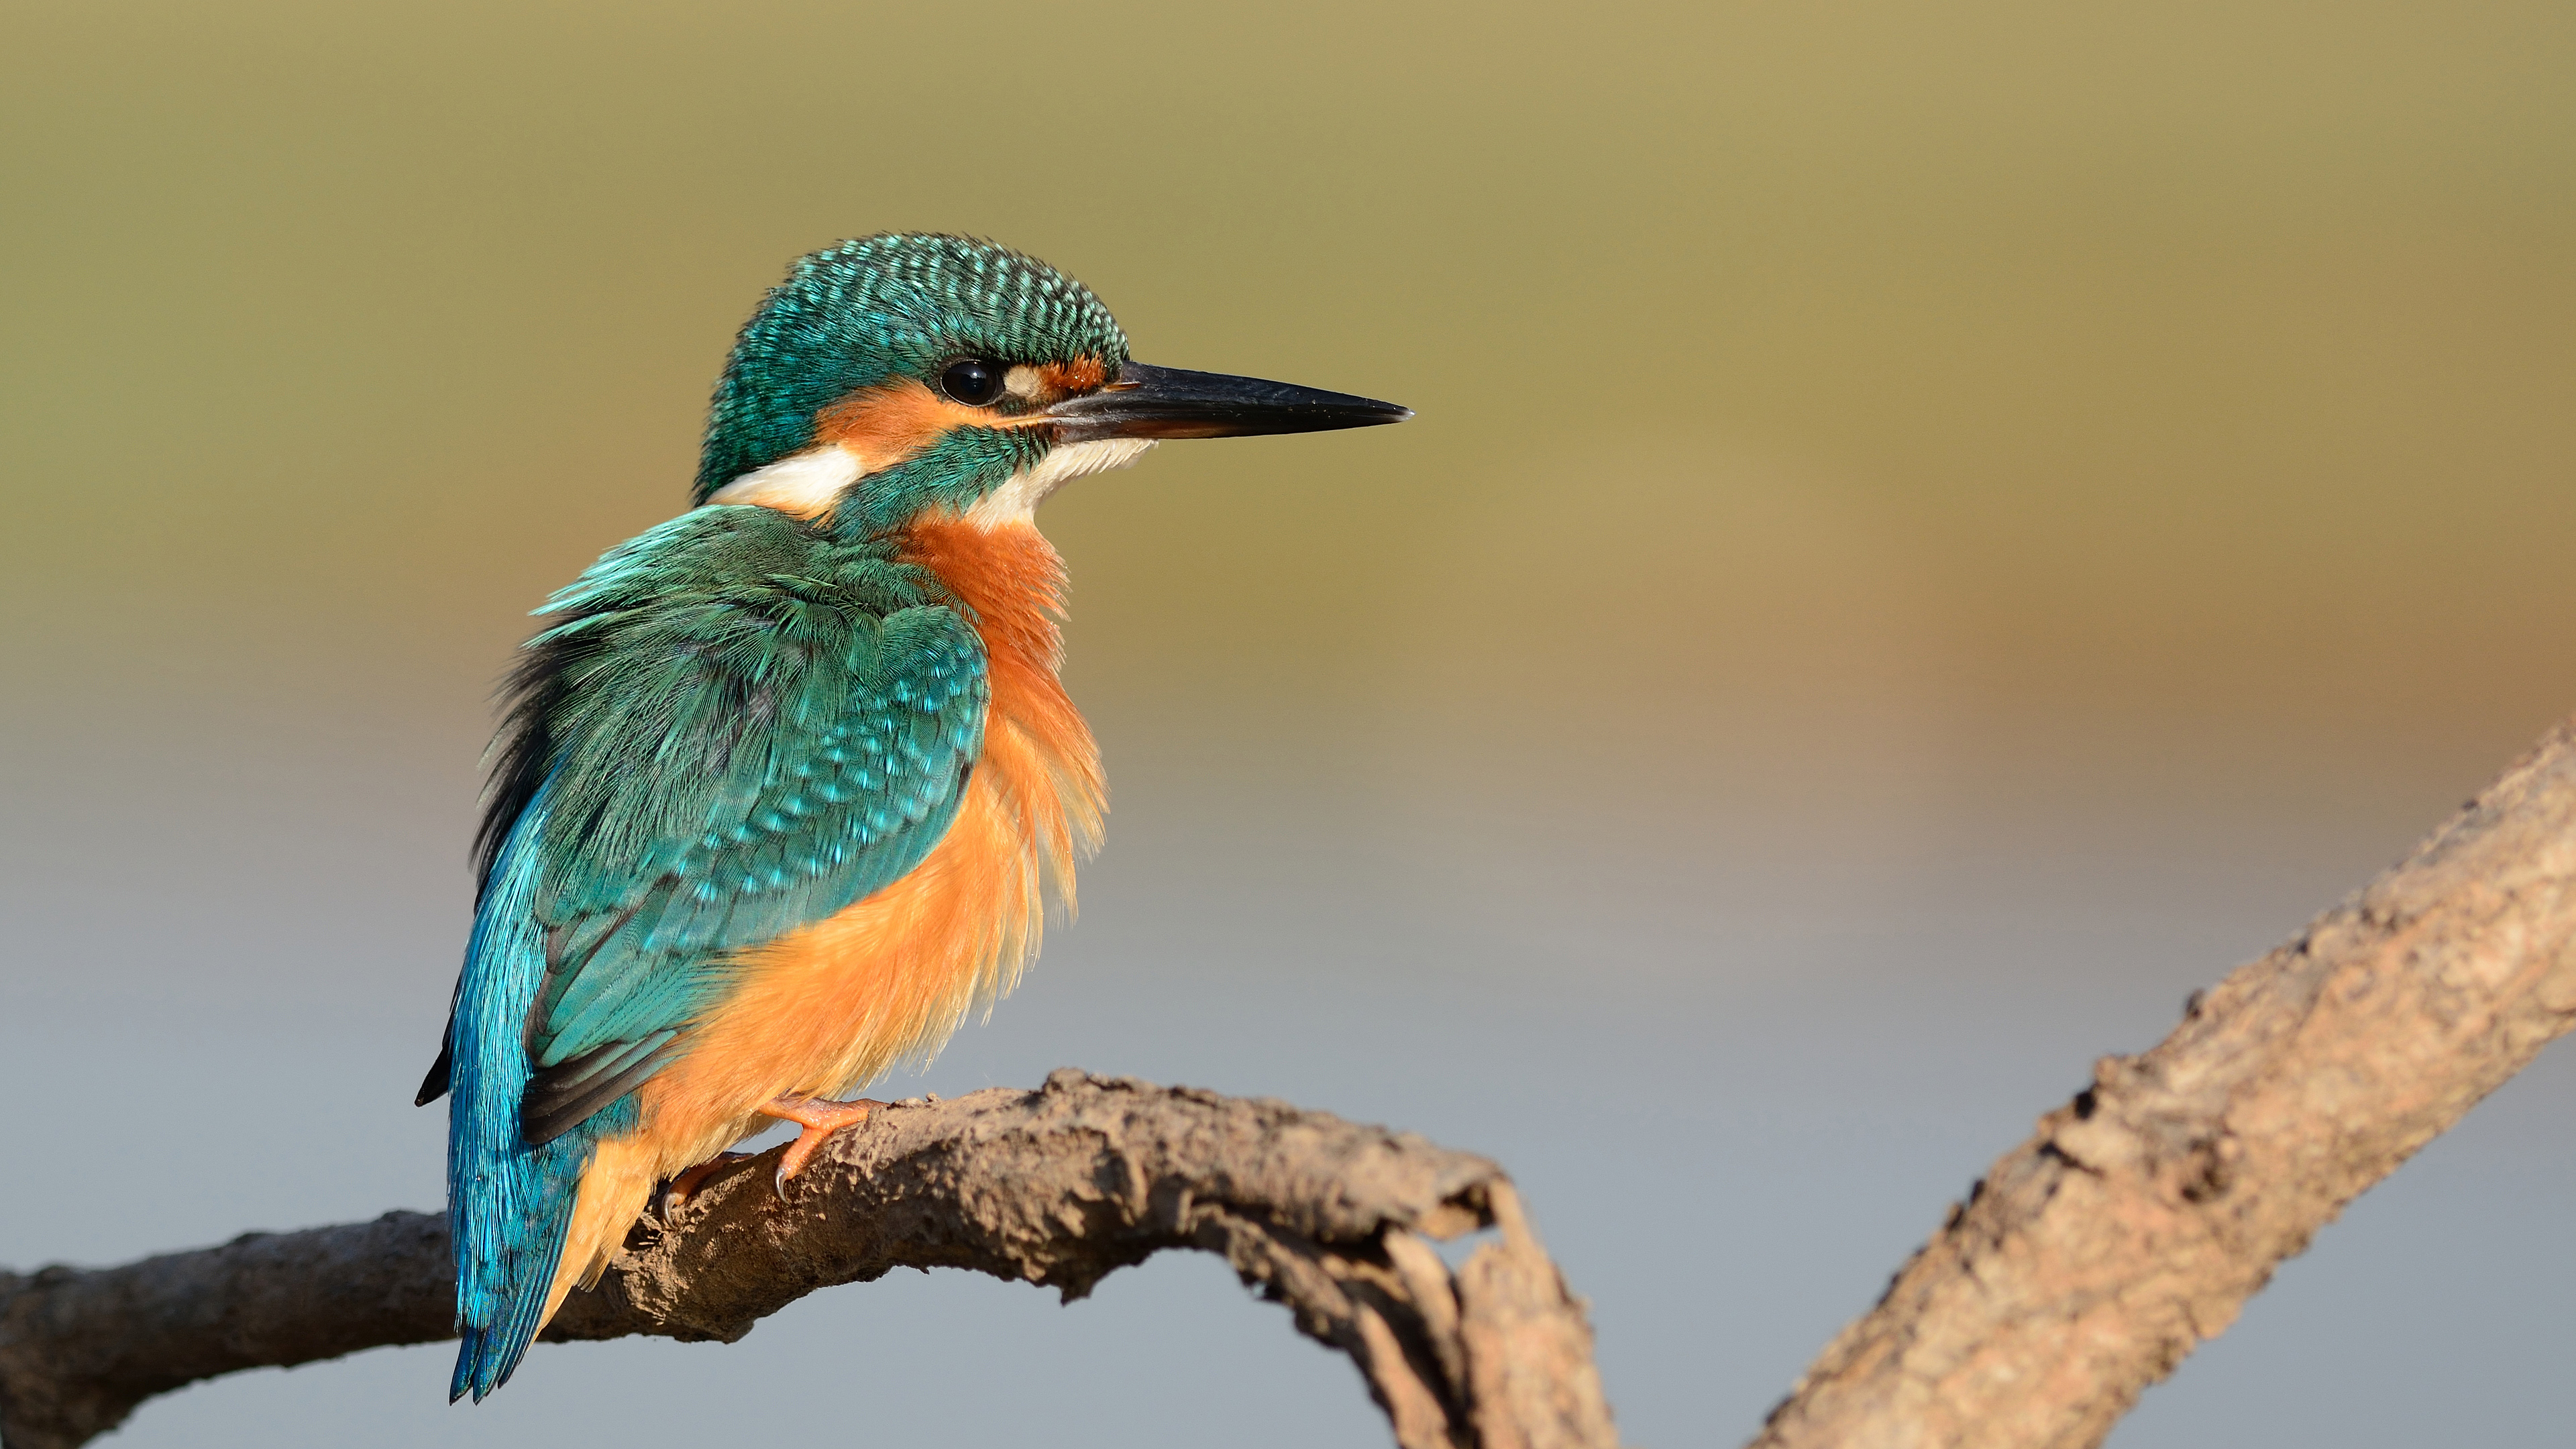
(2140, 1216)
(1059, 1187)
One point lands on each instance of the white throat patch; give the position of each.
(1016, 501)
(807, 484)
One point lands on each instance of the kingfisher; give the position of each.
(785, 785)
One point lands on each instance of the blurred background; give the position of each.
(1931, 533)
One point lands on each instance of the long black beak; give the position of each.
(1169, 402)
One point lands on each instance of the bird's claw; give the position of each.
(820, 1118)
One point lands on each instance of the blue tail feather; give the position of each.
(509, 1205)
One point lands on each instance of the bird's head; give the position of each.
(904, 373)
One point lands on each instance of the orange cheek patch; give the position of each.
(885, 425)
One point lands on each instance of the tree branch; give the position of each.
(2094, 1257)
(2139, 1217)
(1059, 1186)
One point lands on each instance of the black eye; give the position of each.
(974, 381)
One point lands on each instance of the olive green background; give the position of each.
(1931, 531)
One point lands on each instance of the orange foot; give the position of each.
(820, 1118)
(686, 1185)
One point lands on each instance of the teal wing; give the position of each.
(737, 729)
(734, 728)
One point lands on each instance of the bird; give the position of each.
(785, 785)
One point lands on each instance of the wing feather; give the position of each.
(740, 727)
